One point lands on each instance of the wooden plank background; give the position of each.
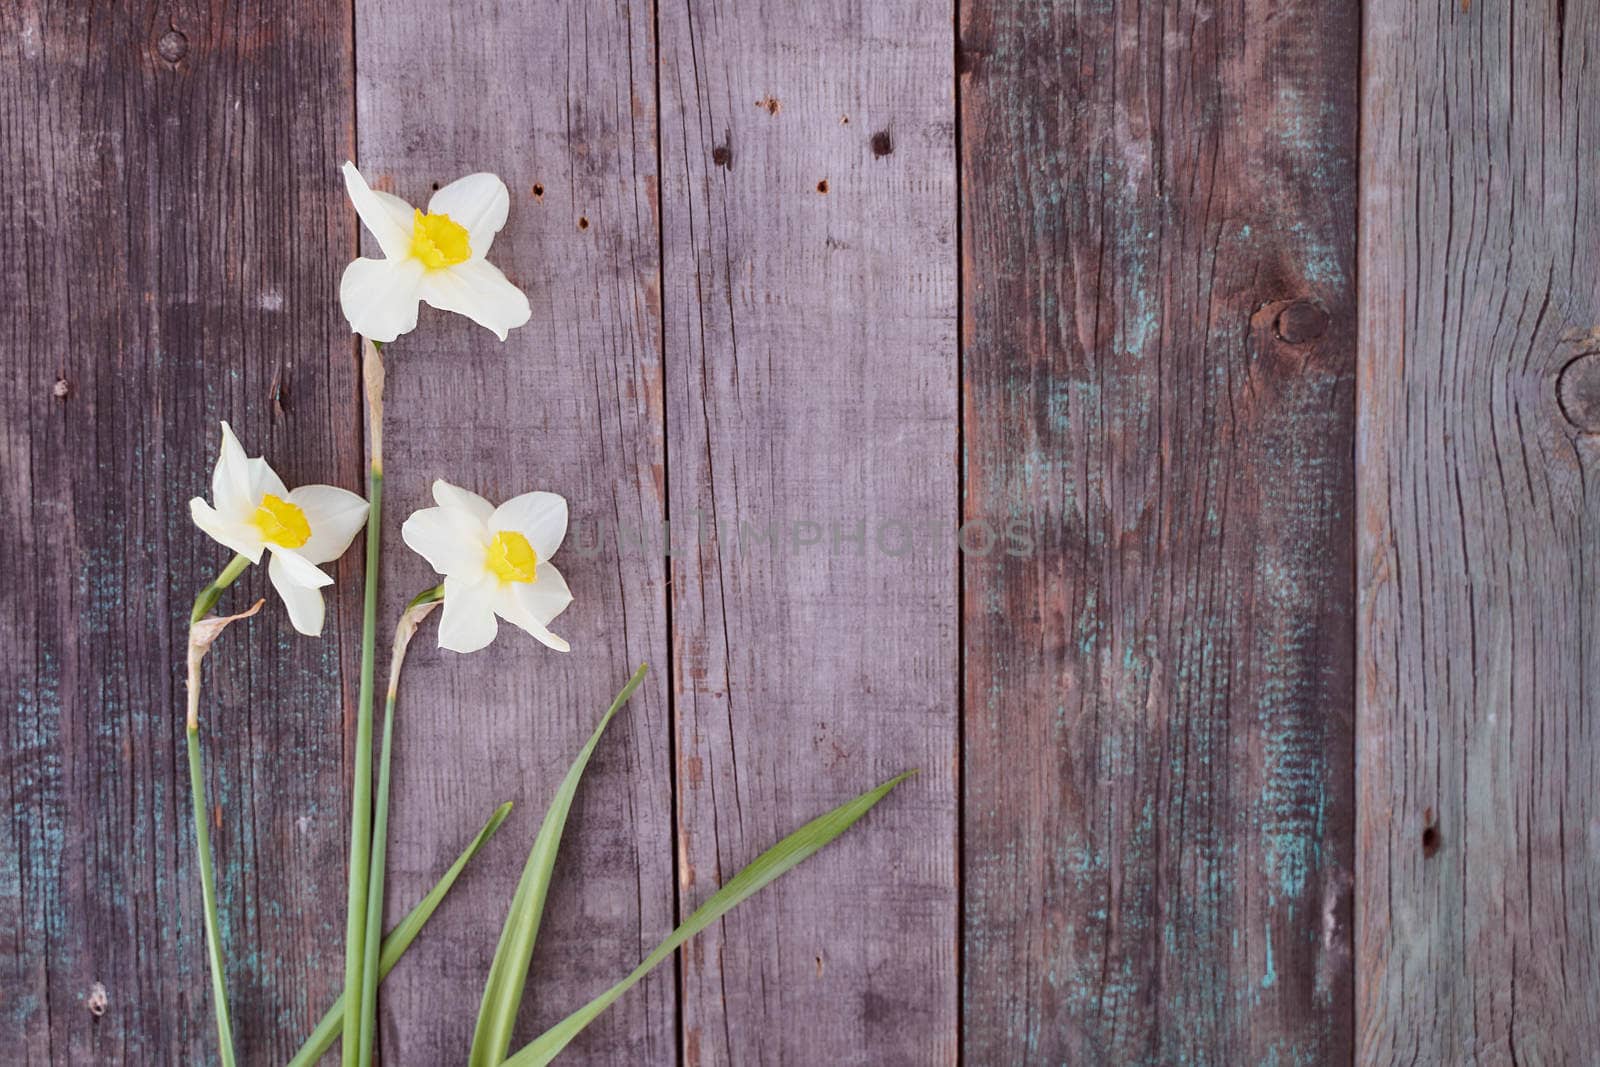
(1480, 758)
(1252, 722)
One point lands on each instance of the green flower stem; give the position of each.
(209, 595)
(399, 939)
(208, 891)
(361, 789)
(202, 632)
(410, 619)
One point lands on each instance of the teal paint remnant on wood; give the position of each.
(1161, 872)
(174, 260)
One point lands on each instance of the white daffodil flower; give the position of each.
(254, 512)
(436, 257)
(495, 562)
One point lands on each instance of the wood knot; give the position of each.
(1578, 392)
(62, 389)
(172, 46)
(1301, 322)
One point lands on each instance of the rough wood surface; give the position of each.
(172, 248)
(1479, 793)
(810, 262)
(1158, 234)
(558, 100)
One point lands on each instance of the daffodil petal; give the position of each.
(299, 569)
(440, 536)
(334, 515)
(379, 296)
(546, 597)
(459, 499)
(540, 517)
(519, 605)
(241, 537)
(306, 609)
(468, 623)
(401, 212)
(479, 202)
(393, 236)
(264, 480)
(479, 291)
(231, 478)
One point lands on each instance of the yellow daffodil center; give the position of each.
(511, 558)
(281, 523)
(438, 240)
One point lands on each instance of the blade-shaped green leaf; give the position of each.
(502, 993)
(399, 939)
(766, 867)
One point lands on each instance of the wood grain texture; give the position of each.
(809, 248)
(173, 238)
(1479, 762)
(1158, 218)
(559, 100)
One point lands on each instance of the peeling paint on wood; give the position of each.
(1158, 234)
(164, 204)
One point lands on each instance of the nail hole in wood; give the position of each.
(822, 186)
(583, 222)
(722, 156)
(882, 143)
(538, 191)
(771, 104)
(1430, 834)
(62, 389)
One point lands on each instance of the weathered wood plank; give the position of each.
(559, 100)
(1158, 234)
(809, 236)
(1479, 764)
(173, 243)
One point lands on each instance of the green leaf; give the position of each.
(502, 993)
(766, 867)
(399, 939)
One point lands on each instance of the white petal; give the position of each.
(299, 569)
(264, 480)
(449, 540)
(532, 605)
(378, 215)
(480, 203)
(459, 499)
(379, 297)
(479, 291)
(335, 516)
(243, 538)
(231, 478)
(468, 622)
(306, 610)
(540, 517)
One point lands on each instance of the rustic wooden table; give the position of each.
(1263, 734)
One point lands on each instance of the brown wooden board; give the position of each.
(559, 101)
(810, 263)
(1158, 219)
(1477, 769)
(172, 245)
